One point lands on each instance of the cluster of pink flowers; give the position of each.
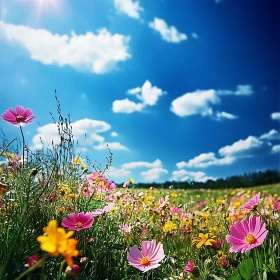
(100, 182)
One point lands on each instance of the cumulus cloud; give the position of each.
(194, 103)
(276, 149)
(153, 173)
(184, 175)
(86, 131)
(114, 134)
(148, 95)
(140, 164)
(224, 115)
(201, 102)
(205, 160)
(240, 90)
(247, 147)
(111, 146)
(96, 53)
(271, 135)
(168, 33)
(275, 116)
(128, 7)
(118, 172)
(126, 106)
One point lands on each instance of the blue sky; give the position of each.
(179, 90)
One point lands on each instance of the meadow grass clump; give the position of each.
(61, 220)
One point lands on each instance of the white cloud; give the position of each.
(184, 175)
(249, 147)
(224, 115)
(275, 116)
(205, 160)
(126, 106)
(111, 146)
(168, 33)
(97, 53)
(86, 131)
(114, 134)
(118, 172)
(147, 94)
(153, 174)
(150, 94)
(201, 102)
(271, 135)
(276, 149)
(140, 164)
(240, 90)
(242, 147)
(130, 8)
(194, 103)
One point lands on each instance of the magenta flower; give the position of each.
(78, 221)
(247, 235)
(276, 206)
(19, 117)
(190, 267)
(252, 203)
(148, 258)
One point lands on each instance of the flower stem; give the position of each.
(30, 269)
(23, 145)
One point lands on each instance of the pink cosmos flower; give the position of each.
(276, 206)
(247, 235)
(78, 221)
(148, 258)
(103, 210)
(175, 211)
(19, 117)
(190, 267)
(252, 203)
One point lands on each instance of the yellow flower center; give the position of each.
(250, 239)
(20, 118)
(79, 225)
(145, 261)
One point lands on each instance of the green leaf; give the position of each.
(246, 269)
(235, 276)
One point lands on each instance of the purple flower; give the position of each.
(148, 258)
(19, 117)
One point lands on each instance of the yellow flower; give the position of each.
(77, 160)
(169, 226)
(174, 195)
(56, 241)
(220, 201)
(275, 195)
(205, 215)
(237, 203)
(130, 180)
(84, 167)
(204, 239)
(9, 155)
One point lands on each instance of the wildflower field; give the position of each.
(62, 218)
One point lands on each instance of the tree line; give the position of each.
(237, 181)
